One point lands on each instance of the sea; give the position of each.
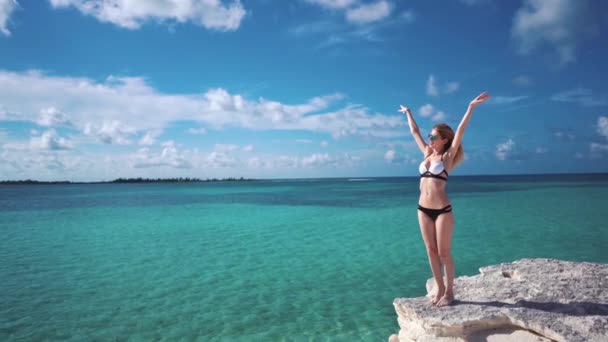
(269, 260)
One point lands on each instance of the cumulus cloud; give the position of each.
(358, 12)
(581, 96)
(49, 140)
(432, 89)
(428, 111)
(315, 160)
(211, 14)
(323, 143)
(367, 13)
(218, 159)
(558, 25)
(119, 108)
(110, 132)
(439, 116)
(504, 150)
(169, 156)
(7, 7)
(248, 148)
(51, 116)
(392, 157)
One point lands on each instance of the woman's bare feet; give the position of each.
(446, 300)
(438, 295)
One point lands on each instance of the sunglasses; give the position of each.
(433, 137)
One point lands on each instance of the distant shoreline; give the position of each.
(548, 176)
(129, 181)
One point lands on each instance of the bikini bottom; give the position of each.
(434, 213)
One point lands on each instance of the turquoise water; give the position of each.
(311, 260)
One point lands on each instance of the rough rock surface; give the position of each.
(527, 300)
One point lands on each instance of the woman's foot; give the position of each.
(435, 298)
(446, 300)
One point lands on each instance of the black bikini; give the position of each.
(438, 169)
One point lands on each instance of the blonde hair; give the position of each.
(446, 132)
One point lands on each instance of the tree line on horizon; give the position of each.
(133, 180)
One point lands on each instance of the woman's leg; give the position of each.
(445, 228)
(427, 227)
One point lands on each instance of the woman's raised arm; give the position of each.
(465, 121)
(415, 130)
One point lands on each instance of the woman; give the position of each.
(441, 155)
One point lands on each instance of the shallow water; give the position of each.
(269, 261)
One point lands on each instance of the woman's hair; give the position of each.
(446, 132)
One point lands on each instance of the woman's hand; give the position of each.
(479, 99)
(404, 110)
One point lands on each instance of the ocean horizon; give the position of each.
(270, 260)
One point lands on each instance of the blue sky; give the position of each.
(99, 89)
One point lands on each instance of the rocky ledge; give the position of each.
(527, 300)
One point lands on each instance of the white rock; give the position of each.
(527, 300)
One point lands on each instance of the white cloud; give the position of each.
(51, 116)
(392, 157)
(333, 4)
(559, 24)
(389, 156)
(248, 148)
(581, 96)
(505, 100)
(439, 116)
(367, 13)
(426, 110)
(431, 88)
(49, 140)
(7, 7)
(149, 138)
(110, 132)
(357, 12)
(451, 87)
(323, 143)
(541, 150)
(602, 126)
(221, 160)
(119, 108)
(304, 141)
(211, 14)
(503, 150)
(170, 156)
(316, 160)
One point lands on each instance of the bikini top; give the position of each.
(435, 170)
